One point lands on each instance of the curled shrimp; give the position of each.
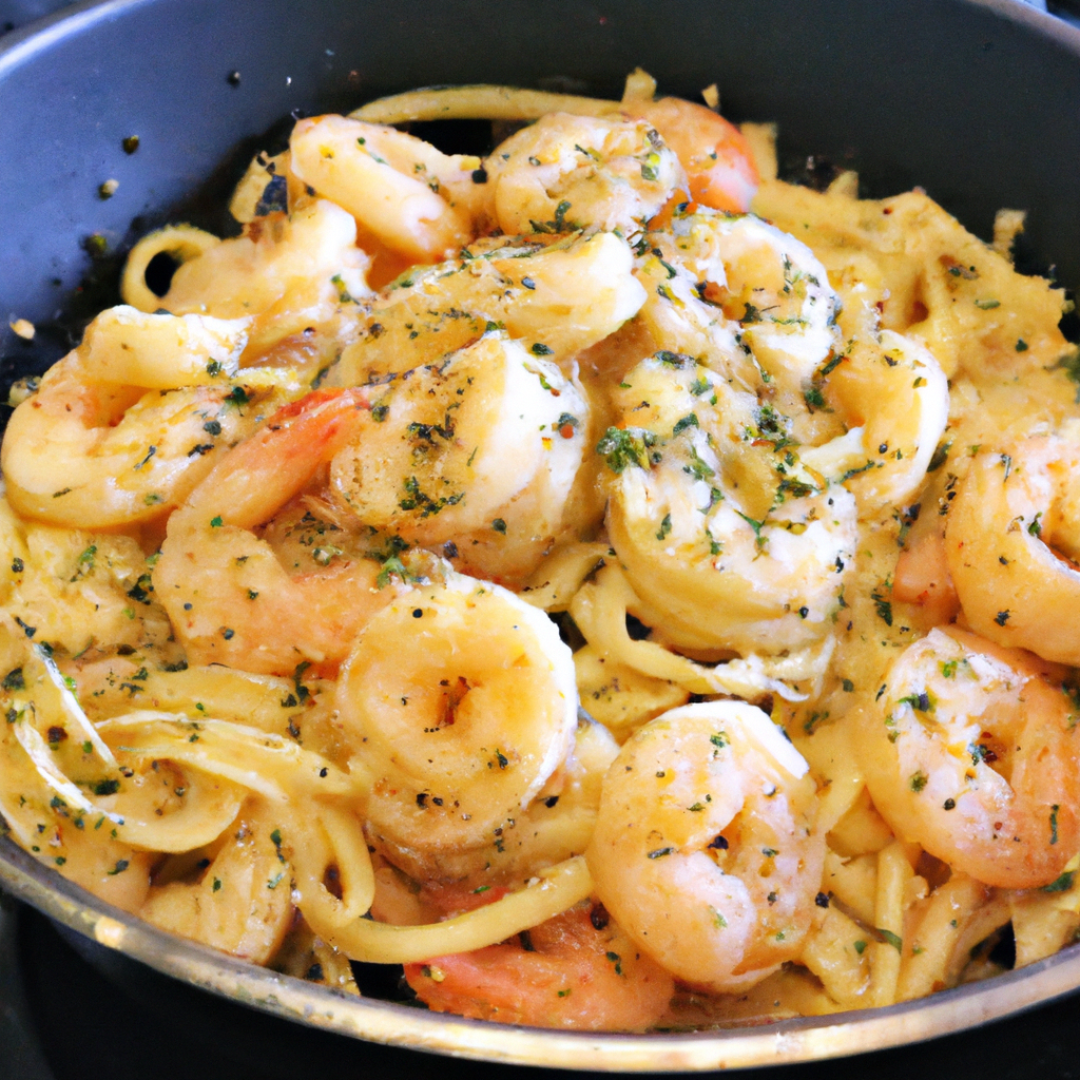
(286, 272)
(721, 530)
(230, 598)
(1012, 539)
(705, 850)
(481, 450)
(557, 298)
(971, 751)
(719, 166)
(554, 827)
(128, 423)
(415, 199)
(770, 287)
(756, 306)
(570, 172)
(577, 970)
(461, 729)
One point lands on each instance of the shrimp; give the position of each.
(894, 398)
(756, 305)
(577, 970)
(569, 172)
(128, 423)
(463, 730)
(416, 200)
(771, 288)
(557, 298)
(719, 166)
(1012, 540)
(970, 750)
(705, 850)
(238, 898)
(555, 826)
(922, 576)
(227, 593)
(480, 450)
(722, 532)
(287, 272)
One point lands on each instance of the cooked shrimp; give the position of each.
(751, 303)
(556, 298)
(570, 172)
(128, 423)
(416, 200)
(922, 576)
(239, 900)
(717, 159)
(769, 284)
(462, 729)
(1012, 538)
(677, 273)
(720, 529)
(705, 850)
(555, 826)
(287, 272)
(756, 306)
(576, 971)
(894, 395)
(971, 751)
(228, 595)
(481, 450)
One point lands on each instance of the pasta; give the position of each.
(620, 608)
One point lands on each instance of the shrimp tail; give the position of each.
(260, 474)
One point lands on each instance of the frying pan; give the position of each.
(977, 101)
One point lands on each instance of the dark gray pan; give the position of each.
(978, 101)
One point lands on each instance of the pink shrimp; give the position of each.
(970, 749)
(923, 578)
(712, 150)
(227, 593)
(577, 971)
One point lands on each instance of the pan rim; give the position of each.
(791, 1041)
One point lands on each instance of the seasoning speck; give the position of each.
(131, 144)
(233, 78)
